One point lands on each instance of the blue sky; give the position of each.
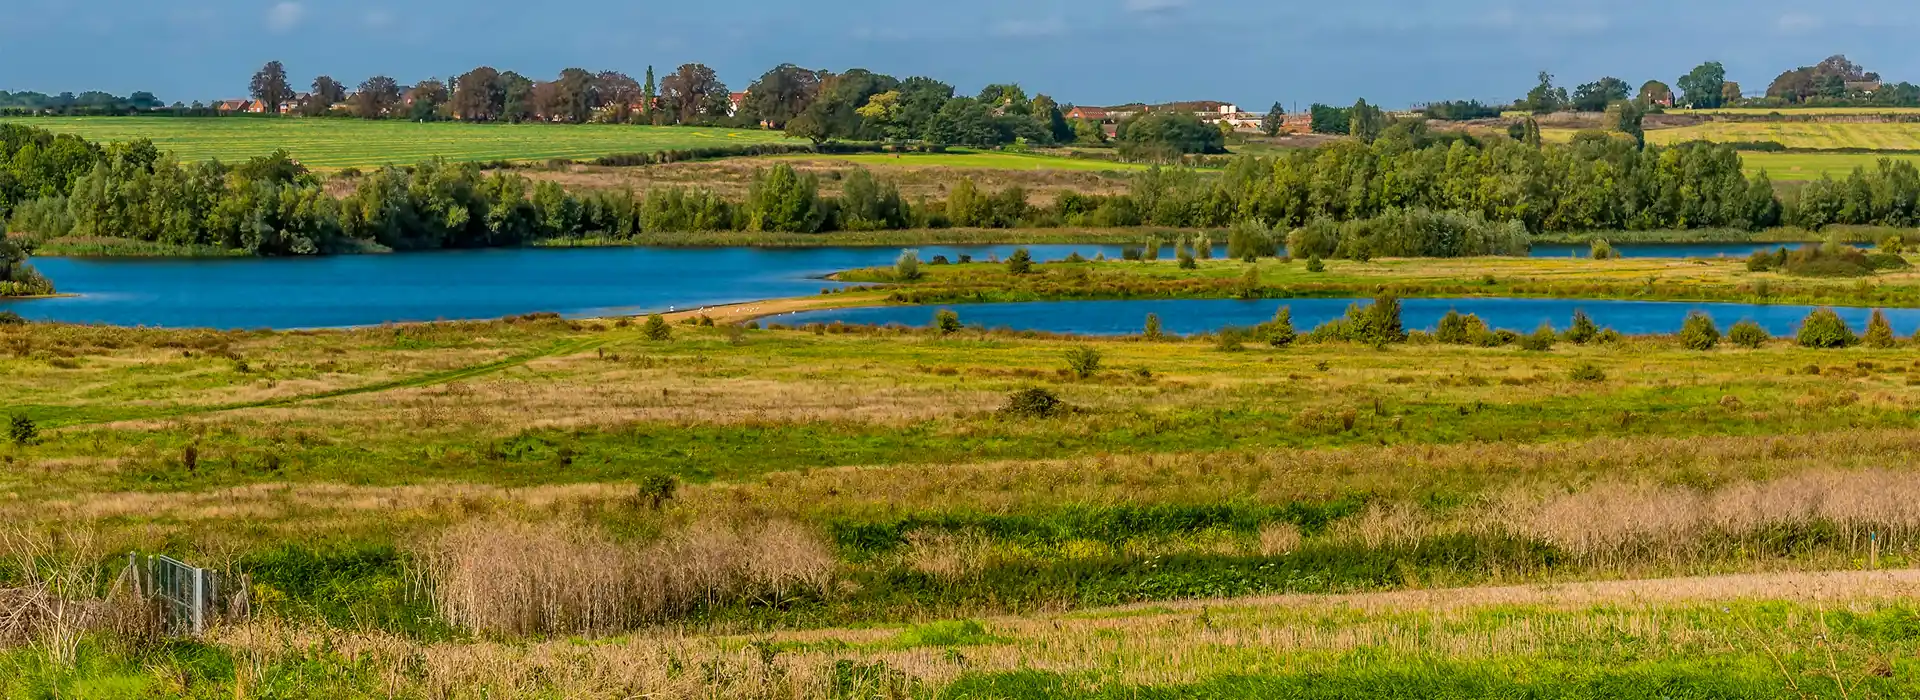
(1253, 52)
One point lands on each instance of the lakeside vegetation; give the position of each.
(841, 480)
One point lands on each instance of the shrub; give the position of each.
(1602, 250)
(1130, 253)
(656, 489)
(657, 329)
(1250, 283)
(1151, 252)
(1698, 332)
(947, 321)
(1251, 239)
(1375, 324)
(1033, 403)
(1020, 263)
(9, 318)
(1280, 330)
(1231, 339)
(907, 267)
(1829, 260)
(1541, 339)
(1203, 247)
(1824, 329)
(1763, 261)
(1153, 327)
(1185, 255)
(22, 430)
(1587, 372)
(1583, 330)
(1887, 261)
(1893, 245)
(939, 260)
(1084, 360)
(1748, 334)
(1879, 332)
(1460, 329)
(1314, 264)
(1609, 337)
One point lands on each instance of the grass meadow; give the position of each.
(971, 160)
(550, 508)
(333, 144)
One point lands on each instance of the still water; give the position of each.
(370, 289)
(1190, 316)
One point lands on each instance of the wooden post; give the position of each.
(1874, 558)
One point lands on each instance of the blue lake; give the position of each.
(1190, 316)
(372, 289)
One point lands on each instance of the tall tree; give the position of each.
(782, 94)
(378, 97)
(1366, 121)
(618, 94)
(1730, 92)
(478, 96)
(1275, 120)
(574, 96)
(425, 100)
(1595, 96)
(1628, 117)
(1704, 87)
(691, 92)
(647, 94)
(1654, 92)
(327, 92)
(1544, 98)
(270, 87)
(1046, 112)
(516, 97)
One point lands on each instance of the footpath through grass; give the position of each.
(332, 144)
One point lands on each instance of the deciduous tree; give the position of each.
(270, 87)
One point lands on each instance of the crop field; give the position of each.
(1809, 111)
(332, 144)
(1829, 135)
(1800, 167)
(971, 160)
(551, 508)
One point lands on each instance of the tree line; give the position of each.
(1418, 192)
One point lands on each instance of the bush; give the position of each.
(1893, 245)
(657, 329)
(9, 318)
(1033, 403)
(1698, 332)
(1185, 256)
(907, 267)
(1084, 360)
(1748, 334)
(1153, 331)
(1020, 263)
(1583, 330)
(1824, 329)
(22, 430)
(1887, 261)
(1375, 324)
(1879, 332)
(1280, 330)
(1763, 261)
(1461, 329)
(1130, 253)
(656, 489)
(947, 321)
(1831, 260)
(1600, 249)
(1249, 240)
(1314, 264)
(1587, 372)
(1609, 337)
(1541, 339)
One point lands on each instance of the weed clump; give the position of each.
(22, 430)
(1033, 403)
(1824, 329)
(1699, 333)
(1314, 264)
(1748, 334)
(1602, 250)
(1587, 372)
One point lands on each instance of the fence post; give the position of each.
(199, 608)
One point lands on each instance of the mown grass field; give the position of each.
(548, 508)
(1825, 135)
(1836, 111)
(1801, 167)
(332, 144)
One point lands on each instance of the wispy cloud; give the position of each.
(1026, 28)
(284, 16)
(1798, 23)
(1148, 7)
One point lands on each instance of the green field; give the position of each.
(332, 144)
(1800, 167)
(1869, 135)
(974, 159)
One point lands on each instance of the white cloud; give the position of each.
(1797, 23)
(284, 16)
(1025, 28)
(1147, 7)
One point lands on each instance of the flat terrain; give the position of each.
(332, 144)
(972, 160)
(1790, 111)
(1800, 167)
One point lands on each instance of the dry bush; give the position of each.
(514, 577)
(63, 594)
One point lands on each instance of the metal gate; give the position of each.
(188, 596)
